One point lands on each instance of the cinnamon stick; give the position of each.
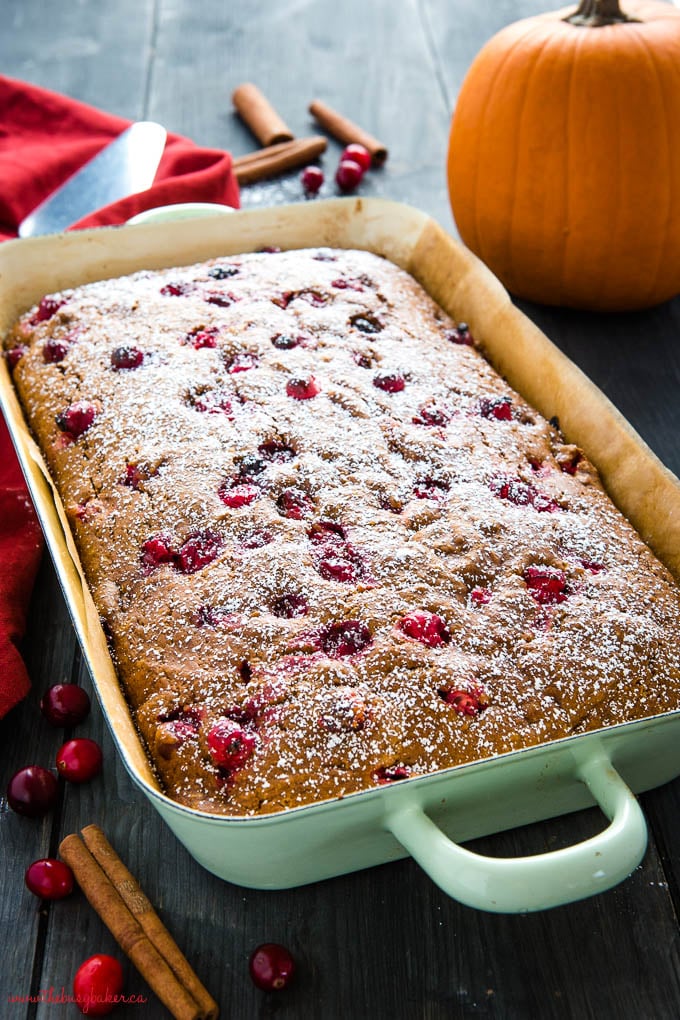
(140, 906)
(346, 131)
(108, 902)
(260, 116)
(277, 159)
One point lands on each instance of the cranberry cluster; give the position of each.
(355, 160)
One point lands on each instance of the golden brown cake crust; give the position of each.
(331, 546)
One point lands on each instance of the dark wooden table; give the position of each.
(383, 944)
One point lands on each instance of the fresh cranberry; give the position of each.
(126, 358)
(302, 389)
(14, 355)
(547, 585)
(157, 550)
(460, 334)
(97, 985)
(236, 494)
(500, 408)
(311, 179)
(215, 402)
(230, 745)
(32, 791)
(48, 307)
(345, 638)
(65, 704)
(366, 323)
(79, 760)
(201, 337)
(250, 465)
(430, 488)
(431, 414)
(242, 362)
(49, 879)
(135, 474)
(348, 175)
(428, 628)
(276, 450)
(359, 154)
(283, 342)
(54, 351)
(592, 566)
(198, 551)
(290, 605)
(391, 773)
(77, 418)
(271, 967)
(464, 702)
(294, 503)
(390, 382)
(349, 283)
(481, 596)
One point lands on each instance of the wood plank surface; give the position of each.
(385, 943)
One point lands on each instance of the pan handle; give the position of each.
(523, 884)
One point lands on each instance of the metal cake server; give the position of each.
(124, 167)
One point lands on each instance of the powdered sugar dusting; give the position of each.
(333, 548)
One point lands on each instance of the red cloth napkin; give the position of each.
(44, 138)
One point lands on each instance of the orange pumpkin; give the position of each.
(564, 156)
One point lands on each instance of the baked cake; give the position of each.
(330, 547)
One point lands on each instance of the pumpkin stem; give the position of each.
(596, 13)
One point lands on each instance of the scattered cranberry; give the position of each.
(276, 451)
(337, 568)
(390, 382)
(79, 760)
(359, 154)
(312, 178)
(14, 355)
(65, 704)
(481, 596)
(97, 985)
(48, 307)
(514, 490)
(223, 272)
(198, 551)
(236, 495)
(548, 585)
(77, 418)
(391, 773)
(345, 638)
(428, 628)
(290, 605)
(230, 746)
(570, 463)
(500, 408)
(125, 358)
(348, 175)
(157, 550)
(294, 503)
(200, 337)
(465, 702)
(283, 342)
(250, 465)
(460, 334)
(242, 362)
(54, 351)
(32, 791)
(326, 532)
(221, 299)
(302, 389)
(49, 879)
(430, 488)
(256, 539)
(366, 323)
(180, 289)
(271, 967)
(431, 414)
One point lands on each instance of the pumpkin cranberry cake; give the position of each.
(330, 546)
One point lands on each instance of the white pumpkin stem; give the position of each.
(597, 13)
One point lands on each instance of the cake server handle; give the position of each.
(523, 884)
